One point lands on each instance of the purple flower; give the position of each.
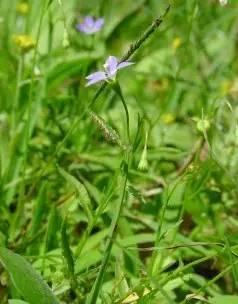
(90, 25)
(111, 66)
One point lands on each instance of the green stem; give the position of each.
(118, 91)
(111, 238)
(50, 33)
(17, 94)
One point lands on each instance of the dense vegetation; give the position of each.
(122, 191)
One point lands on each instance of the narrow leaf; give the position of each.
(67, 253)
(26, 280)
(39, 210)
(224, 299)
(82, 194)
(53, 228)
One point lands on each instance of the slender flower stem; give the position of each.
(117, 89)
(112, 235)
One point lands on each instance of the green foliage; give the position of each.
(82, 194)
(125, 192)
(220, 299)
(26, 280)
(66, 248)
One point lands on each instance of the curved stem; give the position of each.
(118, 90)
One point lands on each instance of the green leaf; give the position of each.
(87, 260)
(122, 285)
(72, 67)
(26, 280)
(67, 253)
(136, 194)
(49, 3)
(39, 209)
(53, 228)
(82, 194)
(223, 299)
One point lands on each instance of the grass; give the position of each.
(119, 192)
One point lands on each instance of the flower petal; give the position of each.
(99, 74)
(93, 30)
(124, 64)
(90, 82)
(89, 21)
(95, 77)
(81, 27)
(98, 23)
(111, 65)
(89, 30)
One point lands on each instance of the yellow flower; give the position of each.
(24, 42)
(168, 118)
(176, 43)
(23, 8)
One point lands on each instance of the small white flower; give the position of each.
(223, 2)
